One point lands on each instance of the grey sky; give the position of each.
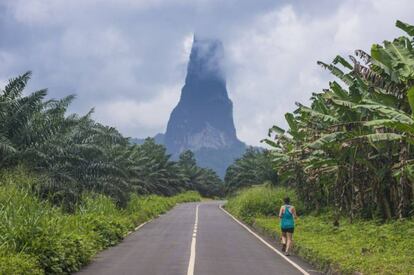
(127, 58)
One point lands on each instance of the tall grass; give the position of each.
(362, 246)
(41, 238)
(261, 200)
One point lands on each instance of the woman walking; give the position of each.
(287, 216)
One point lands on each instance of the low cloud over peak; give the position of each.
(128, 58)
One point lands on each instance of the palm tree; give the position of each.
(254, 167)
(75, 154)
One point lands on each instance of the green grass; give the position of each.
(12, 263)
(363, 246)
(260, 201)
(40, 238)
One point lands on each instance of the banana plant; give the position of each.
(350, 149)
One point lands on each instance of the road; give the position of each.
(194, 238)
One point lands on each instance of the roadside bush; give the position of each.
(18, 264)
(37, 238)
(189, 196)
(363, 246)
(260, 201)
(366, 247)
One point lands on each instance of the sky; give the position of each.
(128, 58)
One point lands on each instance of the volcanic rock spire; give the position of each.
(203, 119)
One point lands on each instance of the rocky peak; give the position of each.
(203, 118)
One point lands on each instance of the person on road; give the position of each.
(287, 216)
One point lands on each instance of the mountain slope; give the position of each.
(202, 121)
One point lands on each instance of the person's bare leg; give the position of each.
(288, 242)
(283, 241)
(283, 237)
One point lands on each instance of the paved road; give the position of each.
(163, 247)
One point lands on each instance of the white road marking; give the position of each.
(191, 263)
(138, 227)
(266, 243)
(141, 225)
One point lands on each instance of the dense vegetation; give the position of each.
(260, 200)
(204, 180)
(347, 157)
(255, 166)
(351, 149)
(37, 238)
(75, 154)
(70, 186)
(362, 246)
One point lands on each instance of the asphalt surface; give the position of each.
(223, 247)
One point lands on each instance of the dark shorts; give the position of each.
(288, 230)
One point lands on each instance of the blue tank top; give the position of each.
(287, 220)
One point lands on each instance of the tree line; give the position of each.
(75, 154)
(351, 149)
(252, 168)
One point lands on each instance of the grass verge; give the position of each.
(37, 238)
(368, 247)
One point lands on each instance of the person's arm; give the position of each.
(280, 212)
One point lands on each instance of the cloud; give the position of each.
(128, 58)
(3, 83)
(55, 12)
(186, 49)
(7, 61)
(273, 61)
(149, 116)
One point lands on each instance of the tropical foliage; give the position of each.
(38, 238)
(352, 147)
(76, 154)
(260, 200)
(360, 247)
(204, 180)
(252, 168)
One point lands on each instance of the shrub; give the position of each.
(42, 238)
(363, 246)
(189, 196)
(18, 264)
(260, 201)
